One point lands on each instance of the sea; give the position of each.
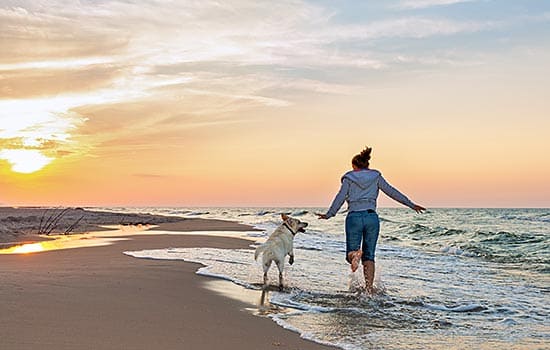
(447, 278)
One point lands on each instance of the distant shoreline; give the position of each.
(19, 224)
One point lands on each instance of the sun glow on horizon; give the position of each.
(34, 132)
(25, 161)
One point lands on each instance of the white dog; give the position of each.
(279, 245)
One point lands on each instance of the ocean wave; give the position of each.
(291, 300)
(418, 228)
(452, 250)
(543, 267)
(198, 213)
(457, 308)
(526, 249)
(303, 247)
(515, 257)
(539, 218)
(178, 212)
(508, 322)
(452, 232)
(508, 237)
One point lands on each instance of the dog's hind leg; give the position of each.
(267, 265)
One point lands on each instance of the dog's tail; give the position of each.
(259, 251)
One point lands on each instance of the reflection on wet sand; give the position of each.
(59, 242)
(258, 300)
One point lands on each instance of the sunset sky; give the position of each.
(264, 103)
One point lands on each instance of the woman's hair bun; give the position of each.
(365, 154)
(361, 160)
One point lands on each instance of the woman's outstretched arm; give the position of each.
(337, 202)
(394, 194)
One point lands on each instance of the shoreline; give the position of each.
(100, 298)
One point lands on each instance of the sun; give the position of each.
(25, 161)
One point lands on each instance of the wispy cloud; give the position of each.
(45, 31)
(292, 33)
(409, 27)
(22, 83)
(417, 4)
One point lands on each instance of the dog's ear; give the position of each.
(284, 217)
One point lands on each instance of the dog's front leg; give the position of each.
(291, 253)
(291, 259)
(280, 266)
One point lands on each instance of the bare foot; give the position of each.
(375, 290)
(355, 259)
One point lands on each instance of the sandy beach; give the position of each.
(99, 298)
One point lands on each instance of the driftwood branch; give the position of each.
(41, 221)
(53, 223)
(48, 223)
(73, 225)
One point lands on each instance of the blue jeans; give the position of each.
(362, 227)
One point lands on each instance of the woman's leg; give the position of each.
(370, 238)
(354, 258)
(368, 270)
(354, 235)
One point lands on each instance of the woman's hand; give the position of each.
(417, 208)
(321, 216)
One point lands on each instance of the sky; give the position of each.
(264, 103)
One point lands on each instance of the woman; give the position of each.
(360, 189)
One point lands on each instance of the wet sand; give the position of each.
(99, 298)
